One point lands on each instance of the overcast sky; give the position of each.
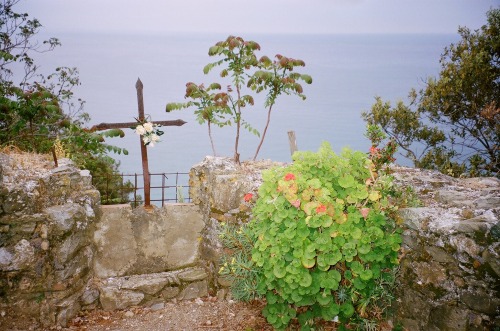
(260, 16)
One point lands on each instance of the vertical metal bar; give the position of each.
(144, 153)
(135, 190)
(176, 186)
(107, 188)
(122, 189)
(162, 189)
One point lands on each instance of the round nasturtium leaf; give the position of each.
(359, 284)
(324, 298)
(347, 309)
(306, 280)
(366, 274)
(279, 271)
(308, 263)
(364, 249)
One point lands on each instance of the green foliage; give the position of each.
(453, 125)
(211, 106)
(326, 242)
(323, 243)
(38, 111)
(276, 77)
(240, 64)
(236, 265)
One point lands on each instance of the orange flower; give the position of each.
(364, 212)
(320, 209)
(289, 176)
(248, 197)
(296, 203)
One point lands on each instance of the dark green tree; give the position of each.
(453, 124)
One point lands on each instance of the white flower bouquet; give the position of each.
(149, 132)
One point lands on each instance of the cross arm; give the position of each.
(106, 126)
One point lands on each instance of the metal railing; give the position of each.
(170, 187)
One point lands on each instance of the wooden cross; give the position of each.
(144, 151)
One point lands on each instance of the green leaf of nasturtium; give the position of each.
(271, 298)
(356, 233)
(327, 313)
(308, 263)
(352, 199)
(279, 271)
(335, 257)
(364, 249)
(374, 195)
(323, 264)
(314, 183)
(306, 280)
(356, 267)
(334, 274)
(358, 283)
(347, 309)
(366, 274)
(346, 181)
(296, 297)
(361, 192)
(324, 298)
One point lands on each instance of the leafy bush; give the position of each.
(325, 243)
(38, 113)
(453, 124)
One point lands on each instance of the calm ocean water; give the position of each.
(348, 72)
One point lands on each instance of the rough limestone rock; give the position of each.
(217, 187)
(46, 219)
(114, 239)
(123, 292)
(145, 241)
(449, 277)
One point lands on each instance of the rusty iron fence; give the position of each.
(172, 187)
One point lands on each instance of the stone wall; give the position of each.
(450, 269)
(60, 252)
(217, 187)
(46, 252)
(147, 256)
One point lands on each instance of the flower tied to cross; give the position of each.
(148, 131)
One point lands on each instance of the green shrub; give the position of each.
(325, 242)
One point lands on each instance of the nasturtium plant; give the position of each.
(326, 244)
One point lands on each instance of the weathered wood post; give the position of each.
(292, 141)
(144, 152)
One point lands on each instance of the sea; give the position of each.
(348, 71)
